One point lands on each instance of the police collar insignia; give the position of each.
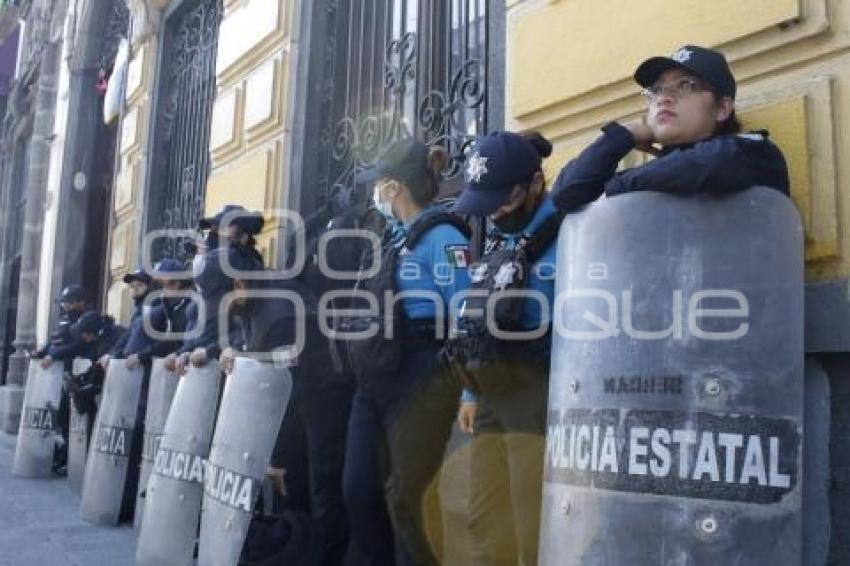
(682, 55)
(476, 168)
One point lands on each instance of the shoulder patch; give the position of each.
(458, 255)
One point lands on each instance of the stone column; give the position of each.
(12, 394)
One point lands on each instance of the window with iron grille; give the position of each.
(394, 69)
(187, 86)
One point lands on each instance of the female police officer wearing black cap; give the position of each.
(505, 183)
(405, 413)
(692, 130)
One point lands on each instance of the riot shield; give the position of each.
(675, 404)
(163, 386)
(111, 443)
(36, 437)
(252, 408)
(175, 486)
(78, 437)
(78, 443)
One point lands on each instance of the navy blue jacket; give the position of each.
(164, 316)
(214, 284)
(135, 340)
(718, 165)
(63, 345)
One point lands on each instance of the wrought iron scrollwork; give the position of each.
(117, 27)
(397, 69)
(186, 96)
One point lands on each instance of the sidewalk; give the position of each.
(40, 526)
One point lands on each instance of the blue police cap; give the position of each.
(405, 161)
(138, 275)
(91, 322)
(72, 294)
(498, 162)
(249, 222)
(165, 267)
(707, 64)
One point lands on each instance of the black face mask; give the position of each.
(211, 241)
(514, 222)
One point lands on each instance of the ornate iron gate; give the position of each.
(395, 69)
(181, 161)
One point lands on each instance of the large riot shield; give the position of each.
(36, 436)
(78, 443)
(111, 443)
(675, 404)
(252, 408)
(78, 437)
(175, 487)
(163, 386)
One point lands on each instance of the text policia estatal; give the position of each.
(698, 455)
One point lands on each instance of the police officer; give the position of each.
(213, 282)
(134, 349)
(505, 183)
(64, 347)
(240, 228)
(690, 127)
(135, 339)
(318, 410)
(406, 410)
(98, 333)
(169, 313)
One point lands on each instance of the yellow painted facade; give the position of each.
(570, 64)
(248, 137)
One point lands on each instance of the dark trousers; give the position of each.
(397, 435)
(506, 461)
(324, 410)
(134, 457)
(63, 423)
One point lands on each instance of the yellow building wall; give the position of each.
(130, 177)
(248, 137)
(570, 65)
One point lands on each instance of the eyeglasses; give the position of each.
(679, 89)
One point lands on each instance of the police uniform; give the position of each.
(63, 347)
(412, 410)
(164, 315)
(84, 388)
(311, 441)
(718, 165)
(506, 456)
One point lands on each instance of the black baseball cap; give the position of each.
(72, 294)
(138, 275)
(498, 162)
(249, 222)
(707, 64)
(91, 322)
(405, 161)
(166, 268)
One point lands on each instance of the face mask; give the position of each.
(211, 241)
(197, 266)
(513, 223)
(382, 206)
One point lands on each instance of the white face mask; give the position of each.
(197, 265)
(384, 207)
